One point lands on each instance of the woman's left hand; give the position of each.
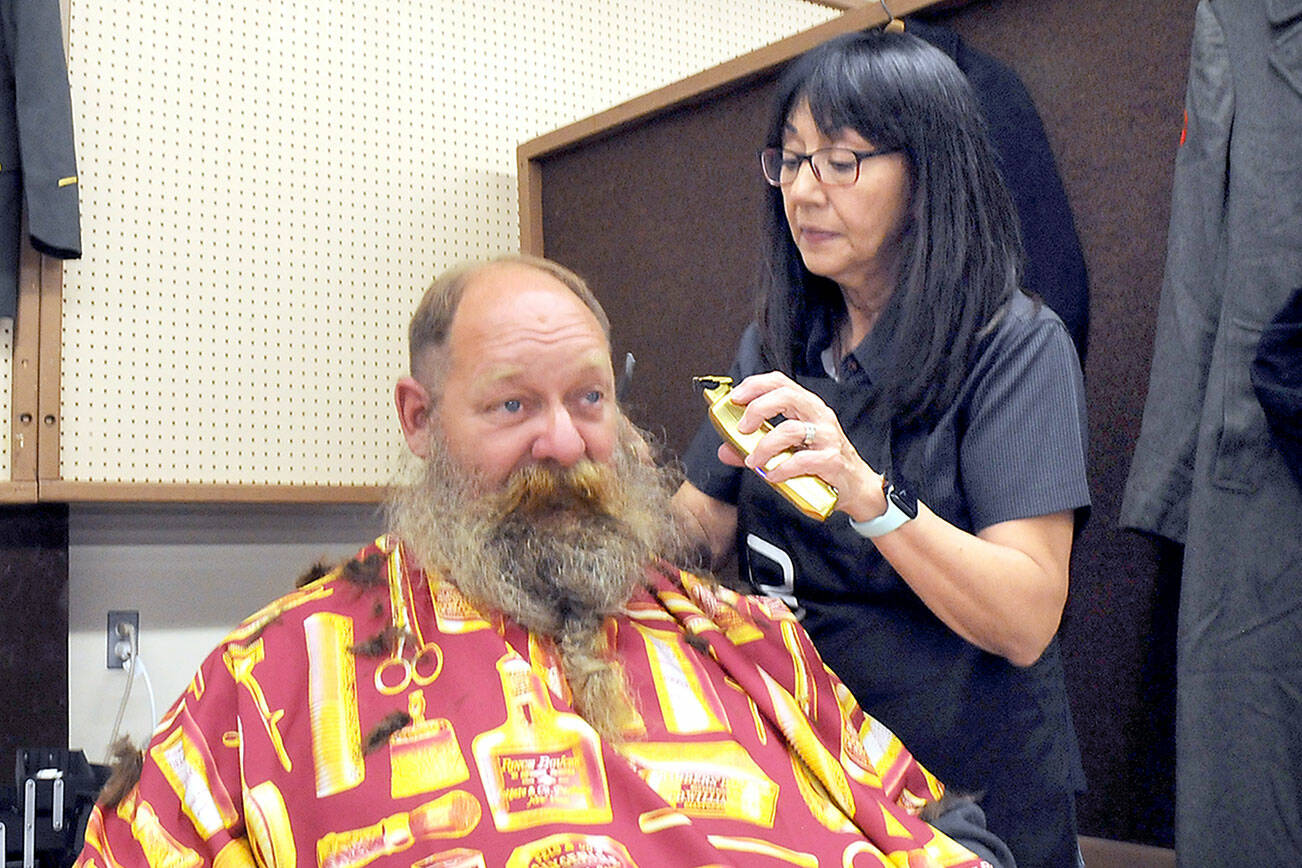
(811, 429)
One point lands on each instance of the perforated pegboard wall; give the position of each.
(268, 187)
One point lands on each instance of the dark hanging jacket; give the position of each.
(1206, 470)
(1055, 265)
(37, 160)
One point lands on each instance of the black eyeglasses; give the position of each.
(837, 167)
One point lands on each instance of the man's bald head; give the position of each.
(431, 325)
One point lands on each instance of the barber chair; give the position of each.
(43, 816)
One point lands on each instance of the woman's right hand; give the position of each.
(812, 431)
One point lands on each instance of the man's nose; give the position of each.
(560, 439)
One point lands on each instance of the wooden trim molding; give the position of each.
(25, 419)
(17, 492)
(60, 491)
(530, 181)
(48, 391)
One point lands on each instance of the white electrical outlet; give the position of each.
(118, 631)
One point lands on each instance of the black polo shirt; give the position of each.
(1013, 445)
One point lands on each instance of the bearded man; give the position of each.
(515, 675)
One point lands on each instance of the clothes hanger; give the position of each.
(893, 24)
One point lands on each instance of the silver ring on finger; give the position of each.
(808, 440)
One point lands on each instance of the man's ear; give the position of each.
(414, 408)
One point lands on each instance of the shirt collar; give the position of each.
(870, 356)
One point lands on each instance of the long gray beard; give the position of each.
(558, 551)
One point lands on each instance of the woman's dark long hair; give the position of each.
(961, 252)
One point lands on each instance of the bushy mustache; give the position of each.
(539, 490)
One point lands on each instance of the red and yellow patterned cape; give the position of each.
(317, 733)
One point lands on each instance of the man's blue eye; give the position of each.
(511, 406)
(593, 397)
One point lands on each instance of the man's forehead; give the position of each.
(514, 274)
(591, 362)
(520, 301)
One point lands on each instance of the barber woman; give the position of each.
(944, 404)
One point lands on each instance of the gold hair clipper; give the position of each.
(809, 494)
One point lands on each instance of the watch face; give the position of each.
(903, 498)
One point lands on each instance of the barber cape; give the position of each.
(311, 736)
